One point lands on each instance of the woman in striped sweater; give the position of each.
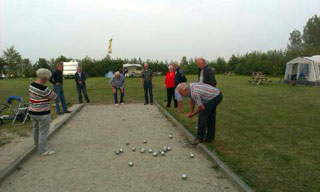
(39, 109)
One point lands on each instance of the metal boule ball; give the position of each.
(184, 176)
(127, 143)
(169, 148)
(192, 155)
(155, 154)
(117, 152)
(144, 141)
(121, 150)
(165, 149)
(150, 150)
(162, 153)
(170, 136)
(130, 164)
(133, 149)
(142, 150)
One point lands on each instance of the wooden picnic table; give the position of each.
(259, 79)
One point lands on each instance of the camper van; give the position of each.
(70, 68)
(132, 70)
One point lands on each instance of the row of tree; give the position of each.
(305, 43)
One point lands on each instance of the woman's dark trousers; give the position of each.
(170, 96)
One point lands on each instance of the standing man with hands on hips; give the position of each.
(57, 81)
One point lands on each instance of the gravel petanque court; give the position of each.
(86, 158)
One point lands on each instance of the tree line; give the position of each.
(305, 43)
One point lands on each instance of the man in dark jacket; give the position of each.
(57, 81)
(206, 74)
(80, 78)
(147, 83)
(179, 78)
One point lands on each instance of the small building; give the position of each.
(306, 70)
(132, 70)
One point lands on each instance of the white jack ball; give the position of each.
(133, 149)
(192, 155)
(130, 164)
(184, 176)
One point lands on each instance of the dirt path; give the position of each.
(86, 161)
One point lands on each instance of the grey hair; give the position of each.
(170, 66)
(183, 86)
(175, 63)
(43, 73)
(204, 61)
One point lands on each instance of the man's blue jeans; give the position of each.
(148, 88)
(82, 89)
(115, 95)
(60, 97)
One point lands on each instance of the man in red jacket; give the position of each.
(169, 83)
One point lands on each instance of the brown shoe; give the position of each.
(197, 141)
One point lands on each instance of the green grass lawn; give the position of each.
(269, 135)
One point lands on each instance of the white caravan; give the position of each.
(132, 70)
(70, 68)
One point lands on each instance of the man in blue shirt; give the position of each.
(117, 82)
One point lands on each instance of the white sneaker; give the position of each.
(122, 103)
(48, 153)
(117, 104)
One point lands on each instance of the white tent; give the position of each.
(109, 74)
(306, 70)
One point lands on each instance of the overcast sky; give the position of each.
(150, 29)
